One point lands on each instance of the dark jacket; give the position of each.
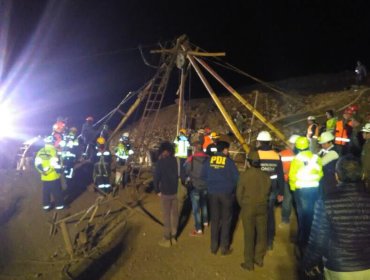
(253, 187)
(194, 167)
(165, 176)
(328, 182)
(221, 174)
(341, 231)
(272, 164)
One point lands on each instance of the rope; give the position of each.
(144, 59)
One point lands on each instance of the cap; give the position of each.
(264, 136)
(326, 137)
(366, 128)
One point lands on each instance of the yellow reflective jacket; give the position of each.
(47, 163)
(305, 171)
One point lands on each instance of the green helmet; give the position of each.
(302, 143)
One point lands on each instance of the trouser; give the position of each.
(170, 215)
(286, 206)
(68, 164)
(221, 207)
(121, 175)
(254, 218)
(181, 162)
(52, 188)
(358, 275)
(199, 206)
(271, 218)
(305, 201)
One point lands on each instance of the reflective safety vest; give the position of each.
(305, 171)
(313, 134)
(182, 146)
(331, 124)
(341, 136)
(206, 142)
(47, 163)
(287, 156)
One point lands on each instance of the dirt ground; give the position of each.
(29, 252)
(191, 258)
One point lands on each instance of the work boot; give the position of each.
(173, 241)
(246, 266)
(165, 243)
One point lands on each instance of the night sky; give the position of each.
(80, 57)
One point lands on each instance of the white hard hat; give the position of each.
(125, 134)
(311, 118)
(293, 138)
(326, 137)
(264, 136)
(366, 128)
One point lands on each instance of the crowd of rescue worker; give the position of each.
(64, 148)
(323, 175)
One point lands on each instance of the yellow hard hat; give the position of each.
(302, 143)
(182, 130)
(214, 135)
(100, 140)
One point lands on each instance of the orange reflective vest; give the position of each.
(341, 135)
(207, 141)
(286, 157)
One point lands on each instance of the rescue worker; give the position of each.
(122, 153)
(329, 157)
(252, 193)
(221, 176)
(356, 139)
(182, 146)
(312, 133)
(271, 163)
(89, 135)
(212, 147)
(197, 188)
(365, 155)
(343, 130)
(304, 178)
(59, 129)
(331, 121)
(102, 171)
(287, 156)
(48, 165)
(206, 138)
(69, 146)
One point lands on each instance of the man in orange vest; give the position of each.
(343, 130)
(287, 156)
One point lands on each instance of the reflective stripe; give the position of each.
(307, 184)
(59, 207)
(342, 139)
(46, 207)
(285, 159)
(106, 153)
(273, 177)
(213, 149)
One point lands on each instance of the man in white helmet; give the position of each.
(365, 155)
(271, 163)
(329, 156)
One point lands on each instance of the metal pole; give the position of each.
(181, 102)
(219, 104)
(252, 120)
(243, 101)
(67, 239)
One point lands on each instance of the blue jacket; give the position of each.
(221, 174)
